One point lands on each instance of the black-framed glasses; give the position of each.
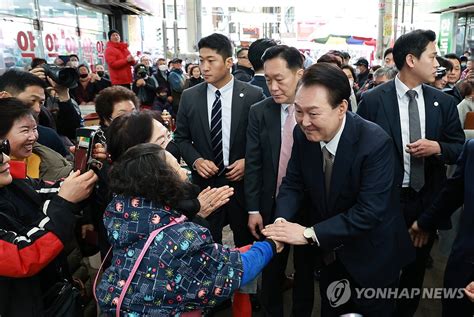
(4, 149)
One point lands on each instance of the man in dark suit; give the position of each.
(424, 125)
(256, 51)
(269, 143)
(344, 164)
(211, 133)
(459, 190)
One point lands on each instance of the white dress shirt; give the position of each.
(226, 102)
(403, 101)
(334, 143)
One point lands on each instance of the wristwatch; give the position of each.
(310, 235)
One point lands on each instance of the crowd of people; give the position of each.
(344, 162)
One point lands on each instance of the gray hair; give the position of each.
(389, 72)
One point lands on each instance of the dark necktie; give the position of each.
(329, 256)
(327, 167)
(216, 132)
(417, 169)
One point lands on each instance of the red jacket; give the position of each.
(119, 68)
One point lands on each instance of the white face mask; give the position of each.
(357, 71)
(74, 64)
(351, 82)
(163, 68)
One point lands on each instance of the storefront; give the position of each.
(54, 28)
(48, 29)
(456, 33)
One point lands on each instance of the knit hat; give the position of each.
(112, 32)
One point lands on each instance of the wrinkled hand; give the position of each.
(212, 199)
(85, 228)
(423, 148)
(286, 232)
(77, 187)
(236, 171)
(469, 290)
(418, 236)
(206, 168)
(255, 221)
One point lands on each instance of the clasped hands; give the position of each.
(423, 148)
(207, 169)
(285, 232)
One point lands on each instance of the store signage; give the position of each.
(446, 33)
(26, 43)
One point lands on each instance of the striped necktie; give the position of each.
(216, 132)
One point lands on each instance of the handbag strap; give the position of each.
(150, 239)
(99, 272)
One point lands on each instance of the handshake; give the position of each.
(281, 231)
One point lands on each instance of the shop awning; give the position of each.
(464, 7)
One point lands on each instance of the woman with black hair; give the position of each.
(144, 86)
(36, 219)
(86, 89)
(123, 133)
(183, 269)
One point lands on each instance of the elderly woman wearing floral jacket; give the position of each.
(183, 269)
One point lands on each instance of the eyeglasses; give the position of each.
(4, 149)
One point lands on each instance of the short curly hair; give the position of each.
(143, 171)
(107, 98)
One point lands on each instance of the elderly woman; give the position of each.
(34, 223)
(182, 269)
(122, 134)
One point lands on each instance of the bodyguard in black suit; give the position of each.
(256, 51)
(406, 107)
(458, 191)
(211, 133)
(345, 165)
(265, 164)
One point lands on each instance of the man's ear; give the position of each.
(343, 106)
(229, 62)
(299, 73)
(5, 94)
(410, 60)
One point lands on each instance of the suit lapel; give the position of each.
(272, 115)
(431, 114)
(203, 113)
(343, 160)
(237, 105)
(390, 104)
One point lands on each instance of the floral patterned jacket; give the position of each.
(183, 269)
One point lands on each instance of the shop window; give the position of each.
(20, 43)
